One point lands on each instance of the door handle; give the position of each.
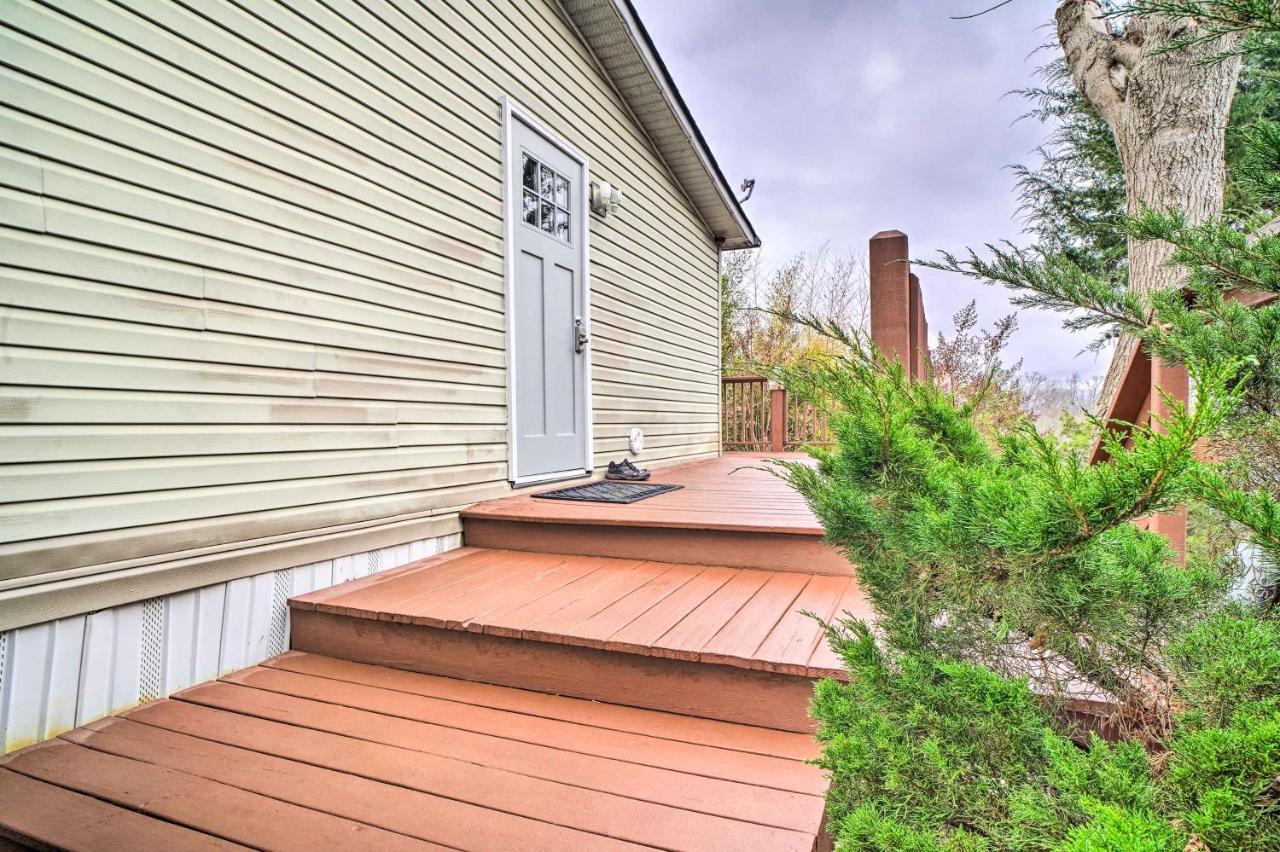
(580, 338)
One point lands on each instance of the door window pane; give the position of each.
(544, 198)
(529, 168)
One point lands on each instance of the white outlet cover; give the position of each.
(636, 440)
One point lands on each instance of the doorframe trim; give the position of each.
(512, 111)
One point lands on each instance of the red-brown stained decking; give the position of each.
(700, 673)
(307, 752)
(729, 512)
(732, 616)
(726, 493)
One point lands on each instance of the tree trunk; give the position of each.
(1167, 111)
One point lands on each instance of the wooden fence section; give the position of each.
(757, 416)
(746, 414)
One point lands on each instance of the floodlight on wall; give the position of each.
(605, 198)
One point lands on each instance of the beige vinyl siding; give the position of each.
(251, 283)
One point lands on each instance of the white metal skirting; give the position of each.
(60, 674)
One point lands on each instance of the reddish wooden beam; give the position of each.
(778, 420)
(917, 331)
(890, 295)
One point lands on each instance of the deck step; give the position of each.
(309, 752)
(716, 642)
(726, 513)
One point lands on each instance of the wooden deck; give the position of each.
(729, 512)
(307, 752)
(578, 677)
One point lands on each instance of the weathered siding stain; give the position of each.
(251, 277)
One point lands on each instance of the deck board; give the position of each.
(761, 770)
(206, 806)
(729, 616)
(308, 752)
(53, 816)
(620, 776)
(727, 512)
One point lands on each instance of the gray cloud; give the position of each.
(861, 116)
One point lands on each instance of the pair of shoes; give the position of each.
(626, 472)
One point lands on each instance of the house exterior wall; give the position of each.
(58, 675)
(251, 281)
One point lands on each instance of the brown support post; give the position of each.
(891, 295)
(778, 420)
(1173, 380)
(916, 330)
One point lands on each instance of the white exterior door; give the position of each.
(547, 303)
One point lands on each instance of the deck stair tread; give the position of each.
(306, 752)
(727, 494)
(739, 617)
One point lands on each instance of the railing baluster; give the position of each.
(747, 417)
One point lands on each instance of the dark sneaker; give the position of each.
(631, 467)
(626, 471)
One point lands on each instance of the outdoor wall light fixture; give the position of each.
(605, 198)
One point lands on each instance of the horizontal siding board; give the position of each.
(91, 262)
(327, 332)
(41, 291)
(384, 307)
(23, 521)
(66, 480)
(54, 443)
(86, 190)
(108, 406)
(220, 86)
(95, 335)
(20, 171)
(81, 96)
(21, 209)
(191, 172)
(253, 291)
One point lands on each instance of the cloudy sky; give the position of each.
(855, 117)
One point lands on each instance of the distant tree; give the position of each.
(968, 365)
(755, 301)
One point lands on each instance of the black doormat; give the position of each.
(608, 492)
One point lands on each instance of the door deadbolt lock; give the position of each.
(580, 338)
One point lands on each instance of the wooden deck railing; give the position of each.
(758, 416)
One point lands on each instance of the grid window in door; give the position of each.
(545, 200)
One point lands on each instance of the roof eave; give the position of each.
(718, 208)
